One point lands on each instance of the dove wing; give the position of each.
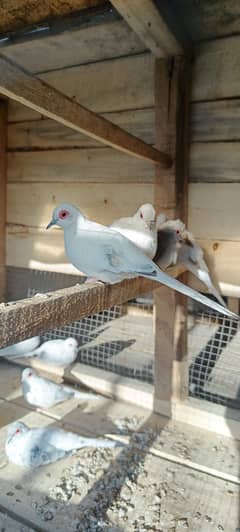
(45, 455)
(122, 223)
(121, 256)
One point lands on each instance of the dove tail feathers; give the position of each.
(84, 396)
(102, 443)
(204, 277)
(165, 279)
(217, 295)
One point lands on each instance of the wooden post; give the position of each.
(172, 83)
(3, 186)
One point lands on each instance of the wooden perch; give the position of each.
(145, 19)
(19, 85)
(41, 313)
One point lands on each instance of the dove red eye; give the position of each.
(17, 431)
(30, 374)
(63, 214)
(141, 215)
(178, 232)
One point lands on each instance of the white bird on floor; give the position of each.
(40, 446)
(176, 245)
(106, 255)
(43, 393)
(21, 349)
(140, 229)
(60, 353)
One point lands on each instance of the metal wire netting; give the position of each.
(121, 340)
(214, 359)
(115, 339)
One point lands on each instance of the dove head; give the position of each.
(28, 373)
(147, 213)
(64, 215)
(179, 228)
(175, 227)
(16, 428)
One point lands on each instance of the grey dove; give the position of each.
(176, 245)
(40, 446)
(60, 353)
(140, 229)
(44, 393)
(21, 349)
(106, 255)
(191, 255)
(169, 241)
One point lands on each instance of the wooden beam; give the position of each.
(3, 198)
(145, 19)
(33, 316)
(19, 85)
(171, 93)
(45, 134)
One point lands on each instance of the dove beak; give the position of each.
(53, 222)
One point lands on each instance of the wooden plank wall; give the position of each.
(48, 163)
(214, 162)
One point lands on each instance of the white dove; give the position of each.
(60, 353)
(43, 393)
(40, 446)
(176, 245)
(140, 229)
(21, 349)
(106, 255)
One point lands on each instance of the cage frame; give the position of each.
(33, 316)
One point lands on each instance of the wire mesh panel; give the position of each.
(214, 359)
(119, 339)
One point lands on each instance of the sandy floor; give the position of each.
(127, 489)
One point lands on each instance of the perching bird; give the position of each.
(21, 349)
(106, 255)
(169, 241)
(43, 393)
(140, 229)
(60, 353)
(191, 255)
(176, 245)
(40, 446)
